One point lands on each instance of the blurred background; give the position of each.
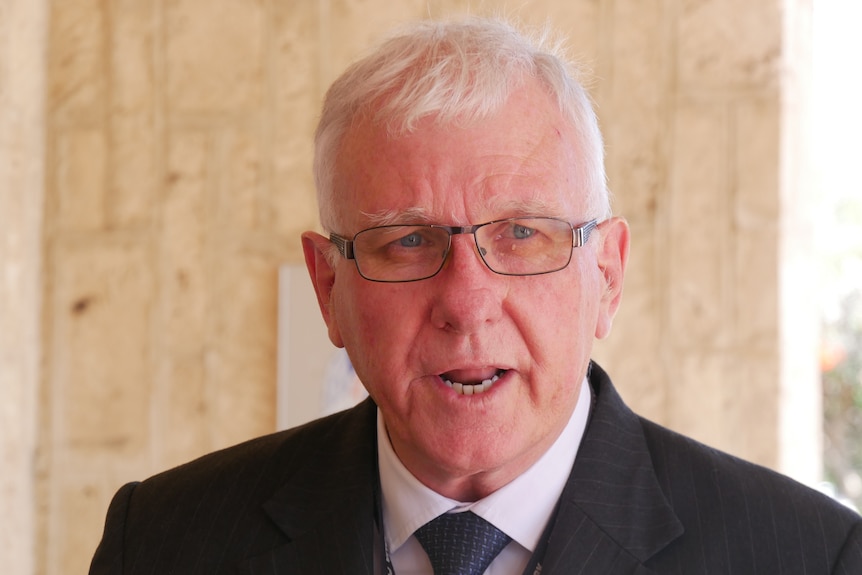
(837, 142)
(155, 175)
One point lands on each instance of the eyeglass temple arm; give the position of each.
(344, 245)
(583, 232)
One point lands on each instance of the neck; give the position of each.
(465, 484)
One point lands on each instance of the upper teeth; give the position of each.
(472, 388)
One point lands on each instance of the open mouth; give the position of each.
(472, 387)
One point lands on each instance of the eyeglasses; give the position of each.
(511, 247)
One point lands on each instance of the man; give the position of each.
(470, 259)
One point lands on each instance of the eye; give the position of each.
(411, 240)
(521, 232)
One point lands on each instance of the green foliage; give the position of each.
(842, 398)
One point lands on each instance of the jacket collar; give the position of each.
(613, 514)
(327, 506)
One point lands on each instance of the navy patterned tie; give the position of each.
(461, 543)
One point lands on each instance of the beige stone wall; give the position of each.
(178, 148)
(22, 79)
(692, 101)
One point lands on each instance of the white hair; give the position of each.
(455, 72)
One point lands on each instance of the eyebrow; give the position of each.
(412, 215)
(500, 207)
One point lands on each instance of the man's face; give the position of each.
(468, 324)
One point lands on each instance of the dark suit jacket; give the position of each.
(640, 500)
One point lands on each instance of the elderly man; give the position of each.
(469, 262)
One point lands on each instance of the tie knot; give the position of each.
(461, 543)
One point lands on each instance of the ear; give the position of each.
(322, 274)
(612, 256)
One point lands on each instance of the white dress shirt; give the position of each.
(521, 509)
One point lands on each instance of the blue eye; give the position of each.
(522, 232)
(411, 241)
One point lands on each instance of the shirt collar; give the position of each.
(408, 504)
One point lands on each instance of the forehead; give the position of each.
(522, 160)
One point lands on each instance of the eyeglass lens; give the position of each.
(525, 246)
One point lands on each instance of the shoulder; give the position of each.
(246, 475)
(271, 458)
(688, 469)
(733, 513)
(211, 511)
(752, 509)
(679, 459)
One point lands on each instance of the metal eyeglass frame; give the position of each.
(580, 236)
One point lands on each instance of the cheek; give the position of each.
(380, 315)
(375, 325)
(358, 323)
(562, 314)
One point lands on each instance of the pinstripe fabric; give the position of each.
(641, 500)
(300, 501)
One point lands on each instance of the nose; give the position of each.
(467, 295)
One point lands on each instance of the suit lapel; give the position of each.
(334, 545)
(613, 515)
(326, 508)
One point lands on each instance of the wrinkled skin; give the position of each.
(468, 323)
